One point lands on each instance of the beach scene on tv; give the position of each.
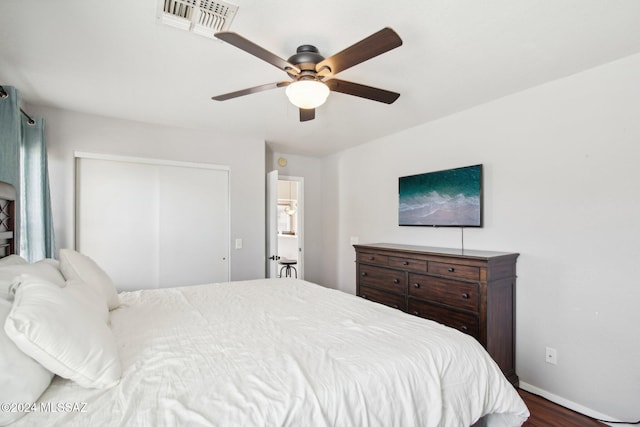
(446, 198)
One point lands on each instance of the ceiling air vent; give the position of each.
(204, 17)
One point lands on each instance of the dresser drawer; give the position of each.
(450, 292)
(465, 322)
(408, 264)
(376, 295)
(454, 270)
(382, 278)
(372, 258)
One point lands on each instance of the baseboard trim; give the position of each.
(566, 402)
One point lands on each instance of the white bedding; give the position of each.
(283, 352)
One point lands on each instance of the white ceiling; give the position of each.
(114, 58)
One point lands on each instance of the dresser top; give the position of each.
(471, 253)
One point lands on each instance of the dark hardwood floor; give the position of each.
(546, 413)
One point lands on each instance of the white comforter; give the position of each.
(284, 352)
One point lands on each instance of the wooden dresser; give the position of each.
(473, 291)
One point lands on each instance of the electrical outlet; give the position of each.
(551, 355)
(238, 243)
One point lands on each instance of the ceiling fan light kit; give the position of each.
(312, 74)
(307, 93)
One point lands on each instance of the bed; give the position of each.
(266, 352)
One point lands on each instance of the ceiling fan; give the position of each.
(311, 73)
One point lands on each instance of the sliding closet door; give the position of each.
(151, 224)
(116, 220)
(194, 226)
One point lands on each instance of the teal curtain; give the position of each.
(10, 135)
(36, 226)
(24, 164)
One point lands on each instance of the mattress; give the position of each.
(283, 352)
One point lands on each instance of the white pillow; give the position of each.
(49, 324)
(53, 262)
(89, 298)
(12, 260)
(76, 266)
(22, 379)
(43, 269)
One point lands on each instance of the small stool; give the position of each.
(287, 266)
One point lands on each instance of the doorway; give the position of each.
(285, 226)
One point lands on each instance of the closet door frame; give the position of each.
(78, 155)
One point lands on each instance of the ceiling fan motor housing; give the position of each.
(306, 58)
(306, 54)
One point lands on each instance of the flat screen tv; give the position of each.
(448, 198)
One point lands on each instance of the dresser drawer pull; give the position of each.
(451, 269)
(405, 263)
(416, 313)
(396, 281)
(464, 328)
(364, 296)
(416, 285)
(465, 295)
(371, 258)
(364, 273)
(396, 306)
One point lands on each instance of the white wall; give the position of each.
(68, 132)
(311, 170)
(562, 188)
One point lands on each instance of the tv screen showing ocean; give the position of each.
(445, 198)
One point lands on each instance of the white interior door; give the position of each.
(153, 224)
(272, 224)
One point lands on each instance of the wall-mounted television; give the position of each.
(447, 198)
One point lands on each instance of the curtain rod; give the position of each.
(4, 94)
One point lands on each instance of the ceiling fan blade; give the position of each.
(362, 91)
(248, 91)
(307, 114)
(258, 51)
(372, 46)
